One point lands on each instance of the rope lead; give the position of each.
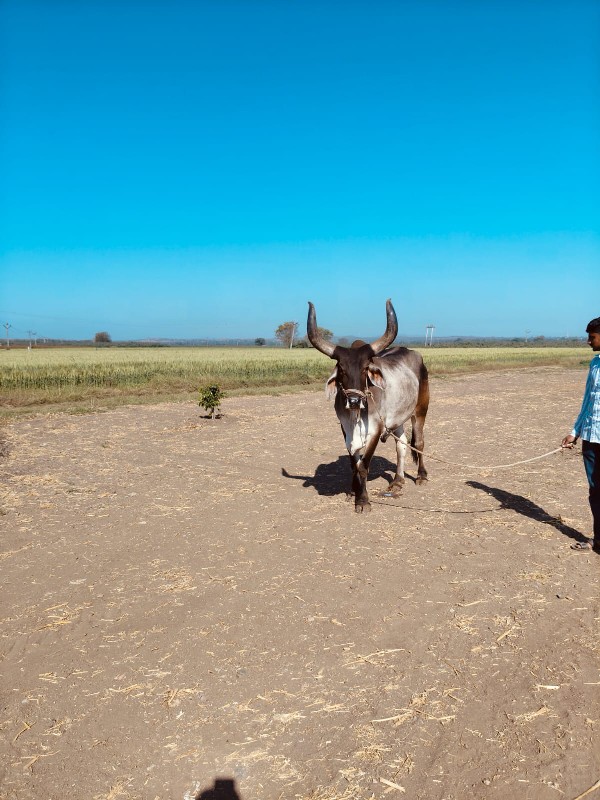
(455, 463)
(481, 468)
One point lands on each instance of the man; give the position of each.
(587, 427)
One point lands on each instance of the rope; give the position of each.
(494, 510)
(478, 468)
(589, 791)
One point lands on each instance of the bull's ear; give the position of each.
(376, 376)
(331, 385)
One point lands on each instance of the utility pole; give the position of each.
(7, 325)
(429, 329)
(32, 335)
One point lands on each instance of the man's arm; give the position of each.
(586, 404)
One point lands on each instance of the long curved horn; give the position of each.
(315, 338)
(390, 332)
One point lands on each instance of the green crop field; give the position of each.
(89, 376)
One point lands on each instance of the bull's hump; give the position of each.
(400, 356)
(396, 350)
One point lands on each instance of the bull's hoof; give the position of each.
(360, 507)
(393, 490)
(421, 480)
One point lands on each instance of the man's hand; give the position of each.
(568, 441)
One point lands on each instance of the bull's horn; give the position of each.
(391, 331)
(315, 338)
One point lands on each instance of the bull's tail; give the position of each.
(415, 456)
(418, 418)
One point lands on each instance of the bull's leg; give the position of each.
(353, 461)
(360, 469)
(417, 440)
(418, 421)
(400, 440)
(356, 460)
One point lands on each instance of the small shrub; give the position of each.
(210, 399)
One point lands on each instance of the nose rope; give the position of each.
(358, 392)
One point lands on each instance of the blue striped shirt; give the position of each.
(587, 424)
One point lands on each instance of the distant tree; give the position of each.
(102, 337)
(344, 341)
(324, 332)
(286, 333)
(259, 342)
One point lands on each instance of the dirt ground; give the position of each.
(186, 599)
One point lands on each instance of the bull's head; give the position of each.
(354, 371)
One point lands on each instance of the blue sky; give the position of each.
(202, 169)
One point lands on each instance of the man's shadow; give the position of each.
(335, 478)
(223, 789)
(522, 505)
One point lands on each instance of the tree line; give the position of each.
(287, 335)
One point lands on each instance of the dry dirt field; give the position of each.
(185, 599)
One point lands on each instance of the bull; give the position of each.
(377, 389)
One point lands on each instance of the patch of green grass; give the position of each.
(89, 378)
